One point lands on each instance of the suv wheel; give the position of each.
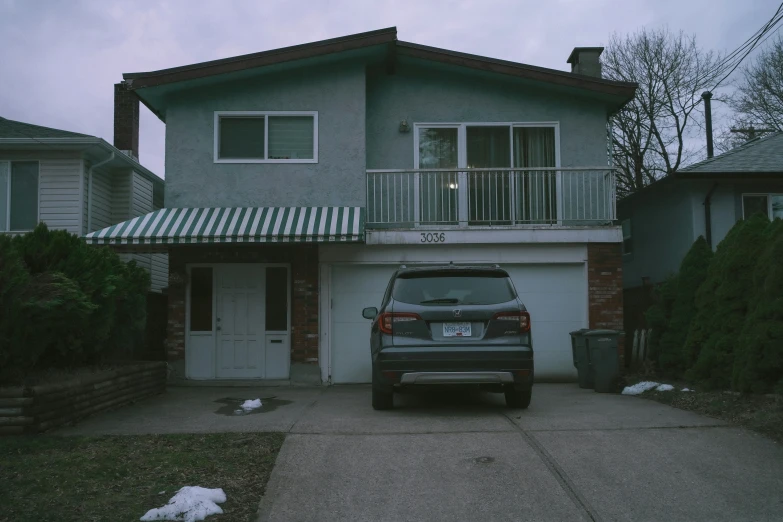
(382, 399)
(516, 398)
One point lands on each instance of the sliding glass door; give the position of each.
(491, 176)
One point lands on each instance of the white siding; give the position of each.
(159, 271)
(60, 204)
(121, 197)
(101, 201)
(142, 202)
(142, 196)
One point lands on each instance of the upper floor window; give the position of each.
(771, 205)
(266, 137)
(18, 195)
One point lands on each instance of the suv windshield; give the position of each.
(453, 288)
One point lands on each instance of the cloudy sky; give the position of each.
(60, 58)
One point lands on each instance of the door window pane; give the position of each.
(241, 138)
(277, 299)
(201, 299)
(489, 193)
(438, 190)
(753, 205)
(291, 137)
(4, 195)
(24, 195)
(777, 206)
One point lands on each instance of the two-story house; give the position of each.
(299, 179)
(75, 182)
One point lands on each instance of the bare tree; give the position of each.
(650, 134)
(759, 97)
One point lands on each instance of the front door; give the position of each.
(240, 322)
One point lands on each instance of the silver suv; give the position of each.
(451, 325)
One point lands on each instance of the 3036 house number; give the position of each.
(433, 237)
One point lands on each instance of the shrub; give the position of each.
(758, 366)
(722, 302)
(89, 302)
(679, 309)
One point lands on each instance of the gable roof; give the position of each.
(18, 129)
(755, 156)
(387, 37)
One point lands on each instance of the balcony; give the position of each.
(485, 197)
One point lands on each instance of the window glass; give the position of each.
(291, 137)
(777, 206)
(437, 148)
(753, 204)
(241, 138)
(4, 166)
(24, 195)
(439, 289)
(201, 299)
(276, 298)
(488, 147)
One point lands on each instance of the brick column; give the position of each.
(126, 119)
(175, 328)
(605, 288)
(304, 316)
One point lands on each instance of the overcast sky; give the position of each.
(60, 58)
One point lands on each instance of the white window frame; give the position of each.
(768, 195)
(265, 114)
(462, 156)
(7, 165)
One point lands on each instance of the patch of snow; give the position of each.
(665, 387)
(249, 405)
(190, 504)
(686, 389)
(162, 492)
(640, 387)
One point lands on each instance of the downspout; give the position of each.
(708, 215)
(89, 189)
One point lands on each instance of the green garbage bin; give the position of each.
(584, 368)
(602, 351)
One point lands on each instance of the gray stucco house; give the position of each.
(661, 222)
(74, 182)
(299, 179)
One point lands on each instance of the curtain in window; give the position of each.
(438, 190)
(536, 196)
(489, 193)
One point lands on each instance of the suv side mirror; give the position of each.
(370, 313)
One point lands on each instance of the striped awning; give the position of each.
(236, 225)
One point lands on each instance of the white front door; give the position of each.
(240, 321)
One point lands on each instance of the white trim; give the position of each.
(483, 235)
(216, 135)
(508, 254)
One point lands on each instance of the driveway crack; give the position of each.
(558, 473)
(305, 410)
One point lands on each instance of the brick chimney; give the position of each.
(126, 120)
(585, 61)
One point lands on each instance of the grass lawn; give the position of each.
(120, 478)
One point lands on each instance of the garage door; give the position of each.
(555, 295)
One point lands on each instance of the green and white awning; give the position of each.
(236, 225)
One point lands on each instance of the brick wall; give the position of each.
(304, 291)
(605, 288)
(126, 119)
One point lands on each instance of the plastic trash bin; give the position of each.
(604, 358)
(584, 368)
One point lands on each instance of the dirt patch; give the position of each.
(760, 413)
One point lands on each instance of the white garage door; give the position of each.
(555, 295)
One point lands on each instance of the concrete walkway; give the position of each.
(574, 455)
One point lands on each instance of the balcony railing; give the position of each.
(490, 197)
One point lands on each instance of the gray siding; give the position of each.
(159, 271)
(60, 191)
(142, 195)
(101, 201)
(122, 191)
(336, 91)
(430, 94)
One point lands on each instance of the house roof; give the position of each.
(18, 129)
(17, 135)
(387, 37)
(761, 155)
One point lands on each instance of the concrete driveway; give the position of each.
(574, 455)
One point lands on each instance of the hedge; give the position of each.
(66, 303)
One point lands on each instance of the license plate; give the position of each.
(456, 330)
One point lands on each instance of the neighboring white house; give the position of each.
(74, 182)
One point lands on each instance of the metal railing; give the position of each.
(487, 197)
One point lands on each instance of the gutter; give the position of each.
(708, 215)
(89, 189)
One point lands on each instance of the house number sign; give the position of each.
(433, 237)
